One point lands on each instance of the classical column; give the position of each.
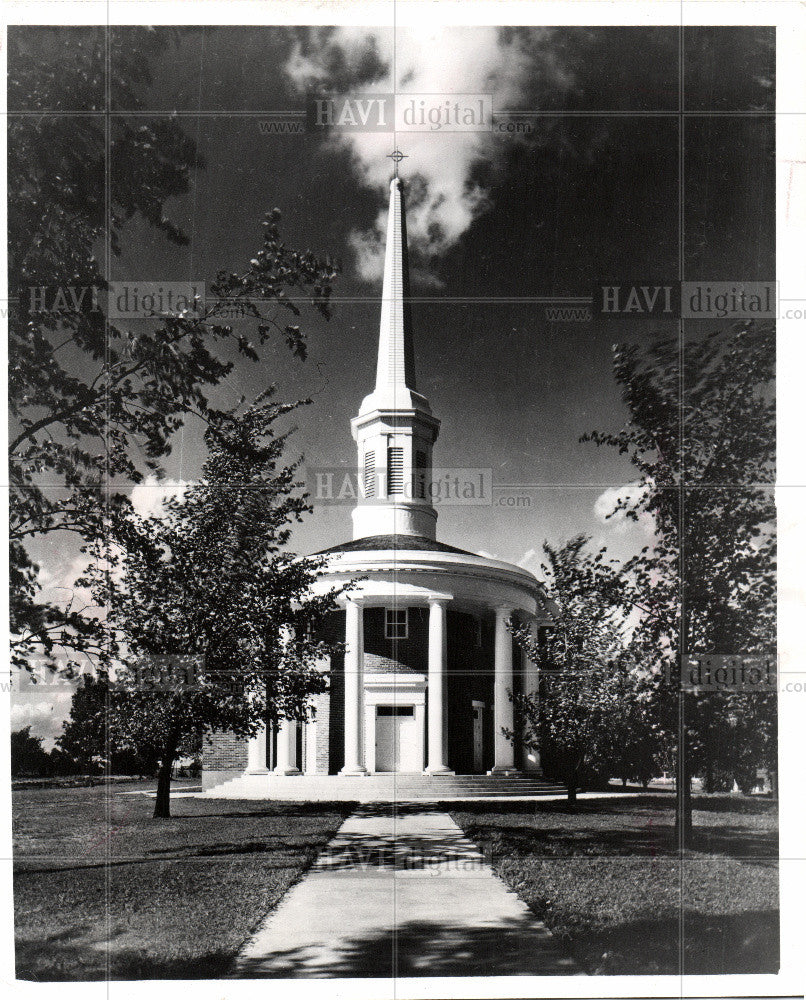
(531, 684)
(287, 747)
(503, 708)
(354, 691)
(256, 750)
(437, 687)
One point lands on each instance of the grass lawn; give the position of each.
(609, 882)
(101, 890)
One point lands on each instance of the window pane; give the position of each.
(396, 623)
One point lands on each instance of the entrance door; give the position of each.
(478, 737)
(395, 738)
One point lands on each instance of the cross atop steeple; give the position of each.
(397, 156)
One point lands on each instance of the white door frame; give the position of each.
(398, 725)
(393, 689)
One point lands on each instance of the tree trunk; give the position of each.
(162, 804)
(571, 786)
(708, 776)
(683, 823)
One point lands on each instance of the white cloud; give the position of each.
(443, 197)
(59, 585)
(528, 556)
(44, 715)
(149, 496)
(606, 503)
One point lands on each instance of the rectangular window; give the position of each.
(394, 465)
(369, 474)
(397, 623)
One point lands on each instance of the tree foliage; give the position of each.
(701, 436)
(593, 714)
(92, 744)
(210, 587)
(29, 759)
(93, 402)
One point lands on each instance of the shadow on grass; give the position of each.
(32, 867)
(417, 949)
(632, 841)
(721, 944)
(63, 964)
(718, 945)
(629, 801)
(269, 845)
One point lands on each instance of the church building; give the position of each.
(420, 700)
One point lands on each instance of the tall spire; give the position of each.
(395, 346)
(395, 430)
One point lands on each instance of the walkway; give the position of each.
(401, 892)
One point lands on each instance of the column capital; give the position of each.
(440, 601)
(357, 600)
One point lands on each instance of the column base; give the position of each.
(354, 772)
(286, 771)
(500, 771)
(257, 770)
(437, 771)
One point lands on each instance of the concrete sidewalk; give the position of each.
(401, 895)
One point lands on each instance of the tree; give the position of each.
(635, 739)
(91, 401)
(706, 467)
(28, 758)
(209, 589)
(88, 740)
(592, 694)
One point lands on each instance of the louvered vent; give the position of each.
(369, 474)
(395, 470)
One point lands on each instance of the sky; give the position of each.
(594, 192)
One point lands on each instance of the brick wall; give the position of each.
(411, 652)
(322, 748)
(224, 756)
(225, 751)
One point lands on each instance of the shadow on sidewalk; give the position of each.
(424, 948)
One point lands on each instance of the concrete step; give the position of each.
(382, 787)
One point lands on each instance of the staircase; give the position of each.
(383, 787)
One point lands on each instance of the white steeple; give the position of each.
(395, 430)
(395, 351)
